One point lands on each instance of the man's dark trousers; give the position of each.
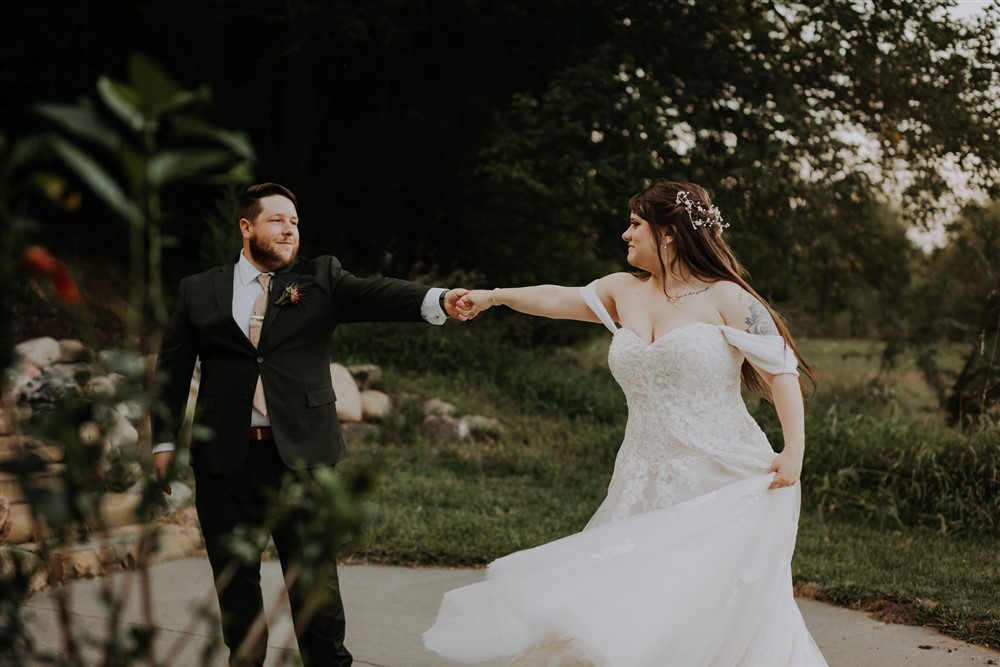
(244, 498)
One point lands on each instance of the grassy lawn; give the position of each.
(467, 503)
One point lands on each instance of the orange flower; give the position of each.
(39, 263)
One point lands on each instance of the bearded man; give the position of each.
(261, 327)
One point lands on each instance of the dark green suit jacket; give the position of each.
(292, 359)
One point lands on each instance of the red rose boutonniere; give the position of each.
(292, 294)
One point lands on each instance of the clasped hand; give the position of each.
(787, 467)
(473, 302)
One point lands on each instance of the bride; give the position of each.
(687, 560)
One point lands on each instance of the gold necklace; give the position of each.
(673, 298)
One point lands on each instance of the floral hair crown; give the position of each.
(700, 214)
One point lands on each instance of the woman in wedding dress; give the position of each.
(687, 560)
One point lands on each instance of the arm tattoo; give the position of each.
(759, 320)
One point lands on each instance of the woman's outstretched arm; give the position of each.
(554, 301)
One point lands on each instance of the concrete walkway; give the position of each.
(388, 608)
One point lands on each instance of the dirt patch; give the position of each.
(809, 590)
(903, 612)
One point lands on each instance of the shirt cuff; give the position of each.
(431, 309)
(164, 447)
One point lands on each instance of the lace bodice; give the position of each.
(683, 392)
(687, 422)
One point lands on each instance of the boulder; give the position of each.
(180, 496)
(176, 542)
(5, 518)
(22, 525)
(47, 391)
(77, 370)
(26, 564)
(90, 433)
(122, 475)
(120, 432)
(71, 350)
(100, 386)
(443, 428)
(375, 404)
(130, 410)
(483, 427)
(119, 509)
(40, 352)
(366, 376)
(435, 406)
(348, 396)
(10, 488)
(7, 422)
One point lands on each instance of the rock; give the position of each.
(7, 422)
(11, 446)
(74, 371)
(130, 410)
(71, 350)
(47, 390)
(10, 490)
(443, 428)
(100, 386)
(180, 496)
(26, 564)
(483, 427)
(5, 518)
(366, 376)
(122, 476)
(348, 396)
(22, 525)
(435, 406)
(40, 352)
(375, 404)
(89, 433)
(176, 541)
(120, 433)
(119, 509)
(126, 364)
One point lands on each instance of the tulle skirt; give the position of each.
(706, 582)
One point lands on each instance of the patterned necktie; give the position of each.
(256, 322)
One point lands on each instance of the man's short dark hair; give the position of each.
(249, 206)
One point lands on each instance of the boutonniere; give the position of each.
(292, 294)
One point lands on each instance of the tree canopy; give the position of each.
(503, 139)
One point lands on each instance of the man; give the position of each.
(261, 328)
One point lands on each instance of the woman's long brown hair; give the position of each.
(705, 254)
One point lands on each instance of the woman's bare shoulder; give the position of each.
(617, 281)
(727, 290)
(741, 309)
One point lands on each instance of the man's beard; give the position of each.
(268, 257)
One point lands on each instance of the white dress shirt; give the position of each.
(246, 287)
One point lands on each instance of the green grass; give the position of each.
(468, 503)
(949, 582)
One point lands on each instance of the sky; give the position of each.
(968, 8)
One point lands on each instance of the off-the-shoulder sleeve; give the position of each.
(589, 294)
(769, 353)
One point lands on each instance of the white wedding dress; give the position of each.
(687, 561)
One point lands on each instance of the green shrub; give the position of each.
(896, 472)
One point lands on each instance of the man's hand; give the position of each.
(454, 307)
(476, 301)
(162, 462)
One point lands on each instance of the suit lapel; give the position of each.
(222, 284)
(282, 279)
